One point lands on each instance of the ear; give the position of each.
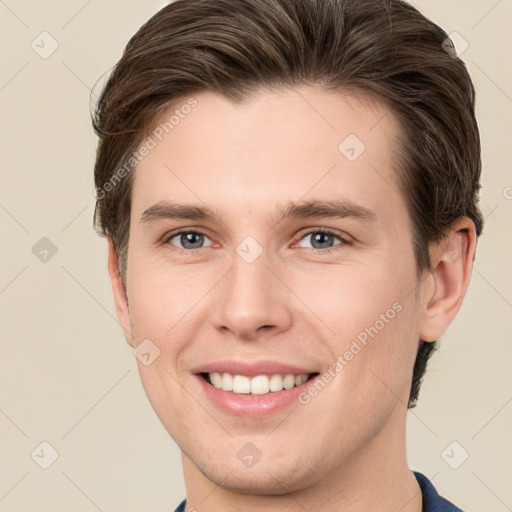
(452, 263)
(120, 298)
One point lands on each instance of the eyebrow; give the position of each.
(336, 209)
(168, 210)
(342, 208)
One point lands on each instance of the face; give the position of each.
(270, 244)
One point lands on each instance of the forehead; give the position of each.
(284, 145)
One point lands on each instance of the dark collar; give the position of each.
(432, 502)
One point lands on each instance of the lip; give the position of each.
(253, 368)
(252, 406)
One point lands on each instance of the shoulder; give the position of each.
(432, 502)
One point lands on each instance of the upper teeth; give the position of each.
(259, 385)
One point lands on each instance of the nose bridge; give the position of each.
(251, 295)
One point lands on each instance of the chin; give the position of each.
(264, 478)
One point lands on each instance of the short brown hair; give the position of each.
(383, 48)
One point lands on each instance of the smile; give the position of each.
(253, 389)
(257, 385)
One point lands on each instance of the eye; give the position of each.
(188, 240)
(322, 240)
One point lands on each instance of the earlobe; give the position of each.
(452, 263)
(120, 298)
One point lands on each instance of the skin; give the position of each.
(345, 449)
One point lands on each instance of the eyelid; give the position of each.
(166, 239)
(343, 237)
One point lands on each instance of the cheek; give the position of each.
(163, 303)
(352, 298)
(374, 318)
(162, 298)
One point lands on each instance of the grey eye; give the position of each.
(321, 240)
(188, 240)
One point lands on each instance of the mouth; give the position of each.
(257, 385)
(254, 389)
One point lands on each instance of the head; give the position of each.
(239, 109)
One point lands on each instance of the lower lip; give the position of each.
(253, 406)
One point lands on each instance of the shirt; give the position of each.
(431, 500)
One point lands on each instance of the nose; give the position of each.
(252, 301)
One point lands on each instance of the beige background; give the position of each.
(67, 376)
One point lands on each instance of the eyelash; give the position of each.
(325, 231)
